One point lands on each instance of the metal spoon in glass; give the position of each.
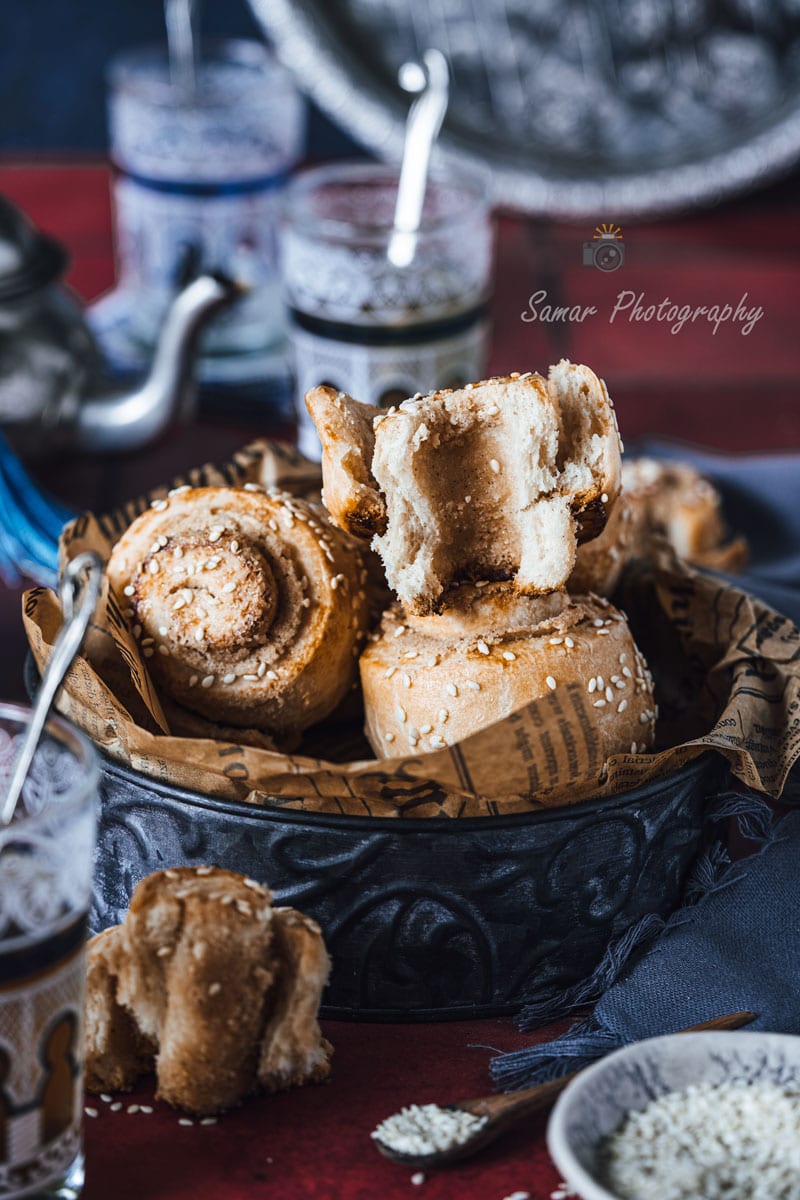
(79, 591)
(499, 1113)
(183, 47)
(430, 82)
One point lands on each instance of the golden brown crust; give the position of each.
(116, 1053)
(293, 1049)
(345, 428)
(197, 973)
(250, 606)
(490, 652)
(668, 500)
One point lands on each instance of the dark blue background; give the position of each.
(53, 54)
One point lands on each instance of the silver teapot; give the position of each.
(53, 387)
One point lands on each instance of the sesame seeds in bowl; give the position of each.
(700, 1116)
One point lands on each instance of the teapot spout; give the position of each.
(110, 420)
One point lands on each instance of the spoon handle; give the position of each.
(422, 129)
(77, 610)
(180, 17)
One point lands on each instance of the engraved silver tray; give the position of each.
(584, 108)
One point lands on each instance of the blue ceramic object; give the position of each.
(597, 1101)
(30, 524)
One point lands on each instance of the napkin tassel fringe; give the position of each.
(587, 1040)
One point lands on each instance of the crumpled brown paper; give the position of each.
(727, 669)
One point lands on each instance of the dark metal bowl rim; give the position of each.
(645, 794)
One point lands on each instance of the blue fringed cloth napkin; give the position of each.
(735, 944)
(736, 947)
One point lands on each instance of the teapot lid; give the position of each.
(28, 259)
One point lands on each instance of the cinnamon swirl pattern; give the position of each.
(249, 605)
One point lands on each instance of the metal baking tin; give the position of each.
(427, 919)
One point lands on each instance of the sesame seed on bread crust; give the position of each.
(206, 983)
(500, 479)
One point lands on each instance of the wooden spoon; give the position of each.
(506, 1110)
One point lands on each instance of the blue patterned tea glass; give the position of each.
(198, 177)
(46, 861)
(365, 325)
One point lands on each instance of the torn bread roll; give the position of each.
(346, 430)
(211, 987)
(250, 606)
(667, 499)
(497, 480)
(600, 563)
(430, 681)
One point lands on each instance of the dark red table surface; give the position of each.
(727, 391)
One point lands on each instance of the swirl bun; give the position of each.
(430, 681)
(250, 606)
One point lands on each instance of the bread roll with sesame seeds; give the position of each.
(250, 606)
(430, 681)
(674, 499)
(667, 499)
(497, 480)
(210, 986)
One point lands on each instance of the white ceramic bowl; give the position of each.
(596, 1102)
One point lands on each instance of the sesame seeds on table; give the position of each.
(109, 1105)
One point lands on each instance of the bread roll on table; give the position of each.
(209, 985)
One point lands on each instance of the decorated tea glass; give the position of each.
(46, 860)
(198, 176)
(365, 325)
